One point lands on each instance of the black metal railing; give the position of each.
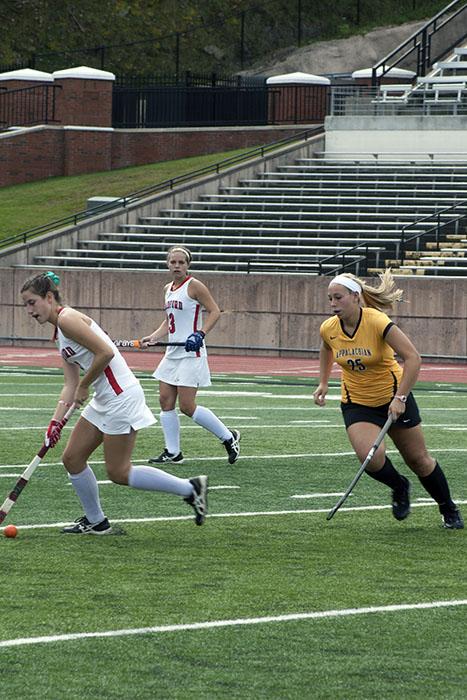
(28, 106)
(134, 197)
(428, 44)
(436, 230)
(355, 258)
(151, 107)
(346, 259)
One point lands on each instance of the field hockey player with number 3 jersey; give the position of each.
(116, 412)
(362, 340)
(190, 313)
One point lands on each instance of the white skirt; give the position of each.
(188, 371)
(121, 414)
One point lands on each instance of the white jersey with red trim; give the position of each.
(184, 317)
(116, 377)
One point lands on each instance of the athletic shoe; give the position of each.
(401, 501)
(165, 457)
(82, 526)
(452, 520)
(233, 446)
(199, 498)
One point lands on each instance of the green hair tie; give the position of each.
(52, 276)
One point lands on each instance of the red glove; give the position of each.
(53, 433)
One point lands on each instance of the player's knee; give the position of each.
(187, 408)
(422, 464)
(118, 475)
(71, 462)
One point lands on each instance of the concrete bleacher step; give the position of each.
(442, 253)
(426, 169)
(225, 256)
(293, 266)
(233, 219)
(271, 187)
(270, 210)
(328, 228)
(448, 245)
(435, 199)
(327, 179)
(305, 227)
(290, 244)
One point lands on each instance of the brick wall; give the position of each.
(87, 151)
(30, 155)
(84, 102)
(49, 151)
(141, 146)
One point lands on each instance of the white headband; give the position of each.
(346, 282)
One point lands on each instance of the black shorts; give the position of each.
(378, 415)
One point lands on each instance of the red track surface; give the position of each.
(230, 364)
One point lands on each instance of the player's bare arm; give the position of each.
(201, 293)
(70, 384)
(407, 351)
(326, 360)
(77, 327)
(156, 335)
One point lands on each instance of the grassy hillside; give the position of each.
(36, 203)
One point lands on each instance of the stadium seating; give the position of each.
(297, 217)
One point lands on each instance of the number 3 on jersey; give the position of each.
(356, 364)
(171, 320)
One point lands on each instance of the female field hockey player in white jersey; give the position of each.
(363, 340)
(115, 413)
(185, 368)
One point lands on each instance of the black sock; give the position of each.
(388, 475)
(437, 486)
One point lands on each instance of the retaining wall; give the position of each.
(258, 310)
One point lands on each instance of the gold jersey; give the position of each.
(370, 373)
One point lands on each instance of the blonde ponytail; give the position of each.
(382, 297)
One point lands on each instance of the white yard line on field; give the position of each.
(245, 514)
(269, 426)
(242, 621)
(105, 482)
(296, 455)
(317, 495)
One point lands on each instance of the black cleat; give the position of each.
(401, 501)
(199, 498)
(452, 519)
(82, 526)
(233, 446)
(165, 457)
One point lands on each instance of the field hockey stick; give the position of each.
(137, 344)
(368, 459)
(12, 497)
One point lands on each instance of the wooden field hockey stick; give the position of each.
(23, 480)
(368, 459)
(137, 344)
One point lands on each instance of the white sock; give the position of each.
(153, 479)
(87, 490)
(170, 423)
(207, 419)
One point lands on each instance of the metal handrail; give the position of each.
(405, 240)
(133, 197)
(342, 254)
(318, 265)
(420, 40)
